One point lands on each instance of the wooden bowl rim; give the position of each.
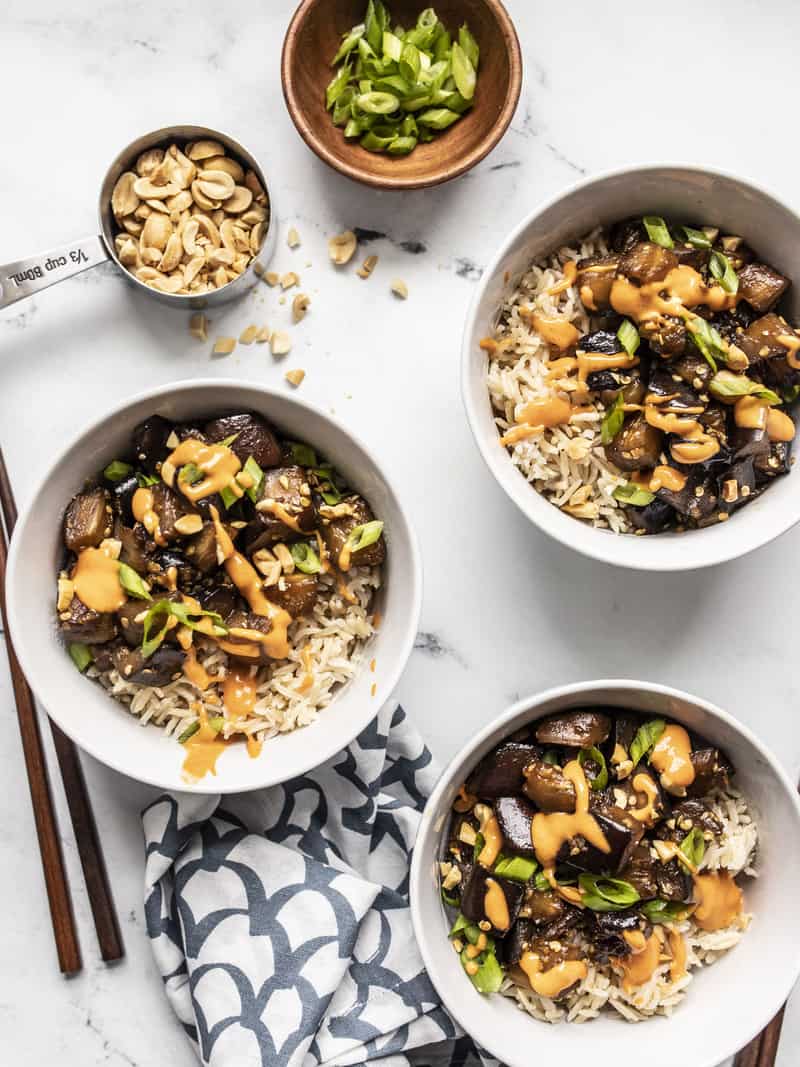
(444, 172)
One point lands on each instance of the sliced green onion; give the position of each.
(628, 337)
(517, 868)
(410, 63)
(392, 46)
(464, 926)
(349, 42)
(337, 85)
(708, 340)
(645, 739)
(190, 473)
(302, 454)
(81, 655)
(305, 558)
(216, 722)
(551, 757)
(601, 893)
(401, 146)
(377, 103)
(633, 494)
(696, 238)
(480, 841)
(145, 479)
(726, 384)
(594, 755)
(463, 72)
(452, 902)
(132, 583)
(438, 118)
(185, 615)
(790, 394)
(228, 441)
(341, 109)
(693, 846)
(489, 977)
(363, 536)
(374, 24)
(228, 496)
(612, 420)
(190, 731)
(722, 269)
(117, 471)
(377, 139)
(252, 469)
(657, 231)
(661, 911)
(469, 45)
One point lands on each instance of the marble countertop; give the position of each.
(506, 611)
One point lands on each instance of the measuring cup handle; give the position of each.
(25, 277)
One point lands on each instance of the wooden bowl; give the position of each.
(312, 39)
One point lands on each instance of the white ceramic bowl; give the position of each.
(104, 727)
(726, 1004)
(681, 192)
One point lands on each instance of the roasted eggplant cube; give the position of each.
(594, 280)
(335, 535)
(674, 391)
(637, 446)
(87, 520)
(606, 933)
(136, 546)
(122, 494)
(515, 816)
(698, 498)
(500, 773)
(253, 438)
(666, 336)
(777, 462)
(689, 256)
(150, 442)
(202, 549)
(654, 517)
(473, 897)
(640, 871)
(86, 626)
(602, 342)
(621, 837)
(581, 728)
(647, 262)
(750, 443)
(295, 593)
(736, 485)
(712, 770)
(626, 234)
(761, 286)
(547, 787)
(130, 618)
(673, 882)
(760, 341)
(164, 666)
(516, 942)
(288, 487)
(170, 507)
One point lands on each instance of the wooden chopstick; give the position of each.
(55, 875)
(83, 823)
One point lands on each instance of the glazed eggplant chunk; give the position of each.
(219, 579)
(628, 372)
(590, 858)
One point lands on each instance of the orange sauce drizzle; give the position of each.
(96, 580)
(143, 512)
(547, 411)
(677, 947)
(640, 966)
(570, 270)
(555, 331)
(719, 900)
(239, 692)
(219, 465)
(493, 842)
(554, 981)
(203, 749)
(672, 758)
(664, 477)
(495, 906)
(550, 831)
(195, 671)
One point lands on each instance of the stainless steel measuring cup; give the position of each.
(24, 277)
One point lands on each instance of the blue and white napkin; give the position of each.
(281, 924)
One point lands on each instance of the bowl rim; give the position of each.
(446, 171)
(389, 677)
(419, 881)
(601, 545)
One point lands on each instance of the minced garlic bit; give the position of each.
(295, 377)
(399, 288)
(263, 335)
(280, 343)
(300, 306)
(293, 238)
(197, 327)
(223, 346)
(367, 267)
(248, 335)
(289, 279)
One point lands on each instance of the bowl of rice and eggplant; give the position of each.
(640, 375)
(221, 572)
(598, 855)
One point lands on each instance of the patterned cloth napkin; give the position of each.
(281, 924)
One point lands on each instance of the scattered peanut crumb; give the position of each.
(342, 247)
(399, 288)
(300, 306)
(367, 267)
(293, 238)
(289, 279)
(263, 335)
(295, 377)
(272, 277)
(280, 343)
(248, 335)
(197, 327)
(258, 269)
(223, 346)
